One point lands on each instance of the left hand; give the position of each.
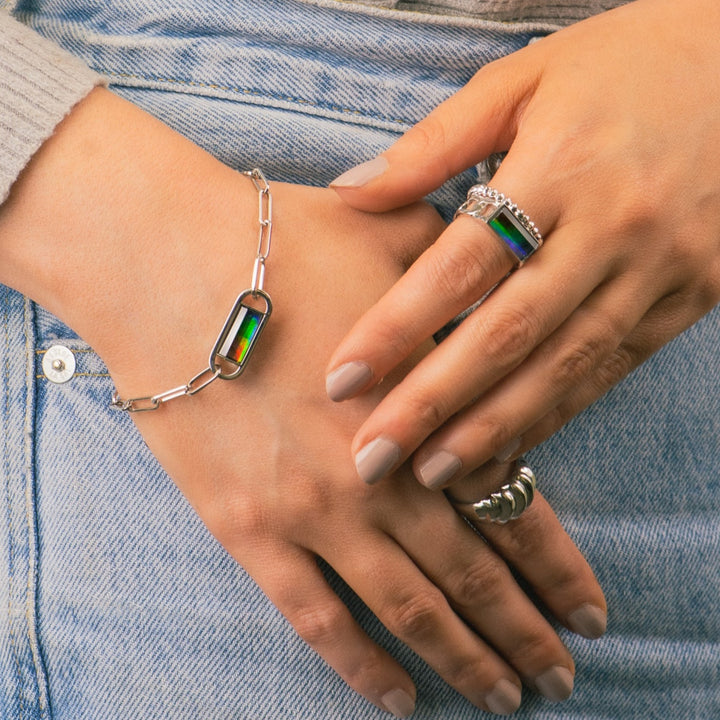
(613, 132)
(139, 242)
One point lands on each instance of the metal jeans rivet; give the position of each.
(58, 364)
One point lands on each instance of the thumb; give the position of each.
(475, 122)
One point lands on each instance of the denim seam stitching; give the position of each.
(41, 376)
(11, 527)
(72, 350)
(257, 93)
(31, 514)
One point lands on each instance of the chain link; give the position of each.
(265, 213)
(213, 371)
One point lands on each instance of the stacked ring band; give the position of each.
(508, 503)
(505, 219)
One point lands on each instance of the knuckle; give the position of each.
(532, 650)
(394, 338)
(578, 360)
(528, 531)
(318, 626)
(615, 367)
(696, 295)
(687, 257)
(553, 420)
(426, 410)
(472, 673)
(636, 210)
(484, 582)
(237, 520)
(565, 580)
(314, 489)
(511, 335)
(367, 671)
(428, 136)
(458, 274)
(496, 432)
(709, 291)
(416, 617)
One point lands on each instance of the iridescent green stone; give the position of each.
(512, 232)
(242, 335)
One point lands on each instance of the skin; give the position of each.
(612, 128)
(145, 231)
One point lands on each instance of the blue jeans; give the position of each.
(116, 602)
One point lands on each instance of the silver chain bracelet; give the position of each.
(242, 328)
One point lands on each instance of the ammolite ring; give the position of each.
(504, 218)
(508, 503)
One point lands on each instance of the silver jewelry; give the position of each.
(505, 219)
(243, 326)
(508, 503)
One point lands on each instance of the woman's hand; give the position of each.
(613, 132)
(145, 263)
(264, 461)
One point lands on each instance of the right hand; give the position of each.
(628, 196)
(265, 459)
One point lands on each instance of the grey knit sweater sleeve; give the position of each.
(39, 85)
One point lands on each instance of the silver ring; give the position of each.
(519, 234)
(508, 503)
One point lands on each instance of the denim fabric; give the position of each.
(115, 601)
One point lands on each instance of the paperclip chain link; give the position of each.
(212, 372)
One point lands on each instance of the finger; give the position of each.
(491, 343)
(481, 589)
(413, 609)
(476, 121)
(665, 320)
(492, 426)
(540, 550)
(298, 589)
(457, 270)
(538, 547)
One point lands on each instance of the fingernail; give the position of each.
(504, 699)
(376, 459)
(555, 684)
(361, 174)
(347, 380)
(436, 471)
(507, 452)
(399, 703)
(588, 620)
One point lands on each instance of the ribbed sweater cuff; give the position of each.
(39, 84)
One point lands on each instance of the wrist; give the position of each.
(134, 239)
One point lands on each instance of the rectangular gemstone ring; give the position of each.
(505, 219)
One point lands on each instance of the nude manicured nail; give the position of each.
(347, 380)
(589, 621)
(507, 452)
(377, 459)
(555, 684)
(399, 703)
(361, 174)
(436, 471)
(504, 698)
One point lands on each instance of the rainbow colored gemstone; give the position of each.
(242, 335)
(504, 222)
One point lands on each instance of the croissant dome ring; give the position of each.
(508, 503)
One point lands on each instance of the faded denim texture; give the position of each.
(115, 601)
